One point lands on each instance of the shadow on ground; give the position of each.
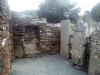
(46, 65)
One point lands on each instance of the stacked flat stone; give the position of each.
(31, 41)
(34, 38)
(18, 35)
(49, 38)
(5, 39)
(94, 65)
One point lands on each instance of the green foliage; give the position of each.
(72, 27)
(95, 12)
(57, 10)
(74, 15)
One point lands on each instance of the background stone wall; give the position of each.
(31, 41)
(33, 38)
(18, 33)
(49, 38)
(5, 38)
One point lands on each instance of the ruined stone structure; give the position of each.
(94, 66)
(49, 38)
(76, 45)
(5, 38)
(34, 38)
(26, 38)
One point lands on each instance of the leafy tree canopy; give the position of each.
(56, 10)
(87, 16)
(95, 12)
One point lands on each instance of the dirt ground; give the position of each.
(46, 65)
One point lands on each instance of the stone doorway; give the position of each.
(31, 41)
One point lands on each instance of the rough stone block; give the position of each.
(30, 48)
(95, 59)
(78, 47)
(93, 70)
(19, 52)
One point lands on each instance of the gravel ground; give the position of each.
(46, 65)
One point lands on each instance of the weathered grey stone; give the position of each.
(5, 38)
(94, 65)
(95, 58)
(93, 70)
(30, 48)
(79, 26)
(28, 33)
(31, 55)
(90, 28)
(78, 49)
(19, 52)
(98, 26)
(35, 40)
(65, 35)
(87, 30)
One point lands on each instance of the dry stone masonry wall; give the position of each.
(94, 66)
(18, 33)
(34, 38)
(5, 38)
(49, 38)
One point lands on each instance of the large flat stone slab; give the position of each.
(65, 36)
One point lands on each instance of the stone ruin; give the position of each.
(24, 37)
(34, 38)
(94, 66)
(6, 45)
(80, 47)
(76, 46)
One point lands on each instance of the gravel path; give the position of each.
(46, 65)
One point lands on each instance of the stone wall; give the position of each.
(5, 38)
(94, 65)
(49, 38)
(31, 41)
(33, 38)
